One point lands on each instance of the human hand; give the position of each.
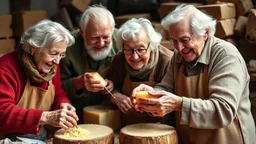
(166, 103)
(124, 103)
(62, 118)
(91, 84)
(141, 87)
(109, 87)
(67, 106)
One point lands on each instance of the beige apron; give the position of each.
(138, 117)
(197, 87)
(37, 98)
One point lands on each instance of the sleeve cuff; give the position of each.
(185, 110)
(38, 129)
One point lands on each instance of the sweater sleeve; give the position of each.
(15, 119)
(227, 82)
(67, 77)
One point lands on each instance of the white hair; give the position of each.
(99, 16)
(45, 33)
(132, 28)
(199, 20)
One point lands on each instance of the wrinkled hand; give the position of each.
(91, 84)
(166, 103)
(67, 106)
(141, 87)
(62, 118)
(124, 103)
(110, 87)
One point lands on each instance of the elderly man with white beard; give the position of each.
(93, 51)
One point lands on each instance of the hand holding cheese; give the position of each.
(97, 76)
(161, 102)
(93, 82)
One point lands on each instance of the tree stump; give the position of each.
(148, 133)
(98, 134)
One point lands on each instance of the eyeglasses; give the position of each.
(56, 56)
(140, 51)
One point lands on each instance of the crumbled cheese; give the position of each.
(76, 132)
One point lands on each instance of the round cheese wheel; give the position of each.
(98, 134)
(148, 133)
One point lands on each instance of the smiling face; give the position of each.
(134, 60)
(189, 45)
(46, 59)
(97, 39)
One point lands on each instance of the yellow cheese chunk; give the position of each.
(97, 76)
(103, 115)
(143, 94)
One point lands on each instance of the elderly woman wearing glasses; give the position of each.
(142, 60)
(31, 95)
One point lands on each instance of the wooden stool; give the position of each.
(98, 134)
(148, 133)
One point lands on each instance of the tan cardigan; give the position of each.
(228, 100)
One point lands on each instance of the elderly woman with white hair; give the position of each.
(31, 94)
(206, 84)
(142, 60)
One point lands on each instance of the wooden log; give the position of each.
(148, 133)
(98, 134)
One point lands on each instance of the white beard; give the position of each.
(98, 55)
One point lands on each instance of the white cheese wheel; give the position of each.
(103, 115)
(148, 133)
(97, 134)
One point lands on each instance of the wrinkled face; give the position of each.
(97, 39)
(189, 45)
(48, 57)
(137, 53)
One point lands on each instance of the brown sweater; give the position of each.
(118, 75)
